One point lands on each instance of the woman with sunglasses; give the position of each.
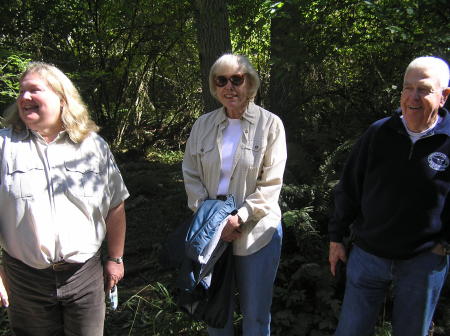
(240, 149)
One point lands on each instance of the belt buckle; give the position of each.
(59, 266)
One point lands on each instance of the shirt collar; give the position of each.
(61, 135)
(443, 127)
(250, 114)
(21, 134)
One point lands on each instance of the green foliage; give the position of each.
(166, 156)
(250, 34)
(385, 329)
(305, 301)
(150, 311)
(124, 57)
(302, 225)
(11, 66)
(4, 324)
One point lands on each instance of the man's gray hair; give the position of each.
(437, 64)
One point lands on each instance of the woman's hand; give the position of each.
(113, 273)
(4, 302)
(232, 229)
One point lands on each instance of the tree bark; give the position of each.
(213, 36)
(284, 73)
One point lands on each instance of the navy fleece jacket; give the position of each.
(394, 192)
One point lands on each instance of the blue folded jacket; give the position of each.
(202, 292)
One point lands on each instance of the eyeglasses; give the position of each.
(235, 80)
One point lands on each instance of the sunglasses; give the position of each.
(235, 80)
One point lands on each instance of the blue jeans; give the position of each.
(417, 283)
(255, 275)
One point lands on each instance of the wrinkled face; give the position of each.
(231, 90)
(421, 98)
(39, 106)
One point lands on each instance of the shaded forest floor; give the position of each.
(156, 206)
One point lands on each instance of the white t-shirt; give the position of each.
(230, 140)
(414, 136)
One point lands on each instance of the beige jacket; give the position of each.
(257, 177)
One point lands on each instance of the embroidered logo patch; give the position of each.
(438, 161)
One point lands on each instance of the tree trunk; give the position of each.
(213, 35)
(284, 74)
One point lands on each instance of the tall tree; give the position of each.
(213, 35)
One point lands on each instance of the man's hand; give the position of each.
(113, 273)
(232, 230)
(439, 250)
(337, 252)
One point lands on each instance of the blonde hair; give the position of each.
(229, 61)
(74, 114)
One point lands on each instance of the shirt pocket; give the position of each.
(252, 153)
(84, 175)
(26, 178)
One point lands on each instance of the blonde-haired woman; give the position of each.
(61, 194)
(240, 149)
(74, 114)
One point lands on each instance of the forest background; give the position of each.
(328, 69)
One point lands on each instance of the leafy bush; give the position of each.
(13, 64)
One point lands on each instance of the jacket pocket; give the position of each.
(252, 153)
(209, 157)
(204, 148)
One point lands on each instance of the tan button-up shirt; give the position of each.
(257, 173)
(54, 198)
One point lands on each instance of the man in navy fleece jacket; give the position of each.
(395, 194)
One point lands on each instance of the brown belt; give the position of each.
(64, 266)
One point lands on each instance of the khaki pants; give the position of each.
(66, 302)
